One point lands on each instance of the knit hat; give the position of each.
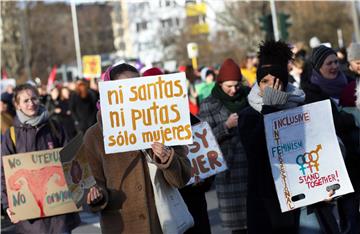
(354, 51)
(319, 55)
(274, 57)
(229, 70)
(154, 71)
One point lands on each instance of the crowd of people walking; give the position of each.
(233, 101)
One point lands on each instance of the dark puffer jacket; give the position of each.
(28, 139)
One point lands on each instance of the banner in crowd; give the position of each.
(91, 66)
(139, 111)
(204, 154)
(36, 186)
(305, 156)
(77, 170)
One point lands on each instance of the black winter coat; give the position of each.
(28, 139)
(263, 208)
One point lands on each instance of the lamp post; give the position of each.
(76, 38)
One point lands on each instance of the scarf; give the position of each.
(333, 87)
(297, 96)
(233, 104)
(41, 117)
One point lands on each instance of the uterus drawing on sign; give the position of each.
(37, 181)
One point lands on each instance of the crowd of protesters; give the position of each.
(233, 98)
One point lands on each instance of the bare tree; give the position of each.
(11, 49)
(318, 18)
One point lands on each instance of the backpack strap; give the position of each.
(12, 135)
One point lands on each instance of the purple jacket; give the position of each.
(29, 138)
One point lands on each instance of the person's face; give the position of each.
(209, 78)
(27, 102)
(230, 87)
(355, 66)
(126, 75)
(269, 81)
(330, 68)
(65, 93)
(54, 93)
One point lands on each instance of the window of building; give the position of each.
(141, 26)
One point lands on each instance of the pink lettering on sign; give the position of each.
(37, 182)
(314, 180)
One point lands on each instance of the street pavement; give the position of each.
(91, 224)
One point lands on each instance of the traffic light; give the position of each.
(284, 25)
(267, 26)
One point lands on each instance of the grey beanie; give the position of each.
(354, 51)
(319, 55)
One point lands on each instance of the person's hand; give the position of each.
(277, 85)
(330, 194)
(274, 95)
(11, 214)
(94, 196)
(232, 121)
(57, 110)
(161, 151)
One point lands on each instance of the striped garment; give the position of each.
(231, 185)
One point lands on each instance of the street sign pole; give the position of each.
(274, 20)
(76, 38)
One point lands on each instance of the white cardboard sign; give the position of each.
(305, 156)
(204, 154)
(139, 111)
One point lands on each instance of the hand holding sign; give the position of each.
(94, 196)
(11, 215)
(161, 151)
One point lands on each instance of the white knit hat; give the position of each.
(354, 51)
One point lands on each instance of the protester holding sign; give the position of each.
(271, 93)
(124, 192)
(33, 131)
(327, 82)
(220, 109)
(194, 194)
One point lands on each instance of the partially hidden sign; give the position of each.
(305, 156)
(204, 154)
(139, 111)
(91, 66)
(77, 170)
(36, 186)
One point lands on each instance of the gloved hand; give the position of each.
(274, 97)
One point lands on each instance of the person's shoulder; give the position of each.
(210, 104)
(93, 132)
(210, 100)
(248, 112)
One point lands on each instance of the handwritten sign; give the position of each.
(77, 170)
(91, 66)
(139, 111)
(305, 156)
(36, 186)
(204, 154)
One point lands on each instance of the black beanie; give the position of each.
(274, 57)
(319, 55)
